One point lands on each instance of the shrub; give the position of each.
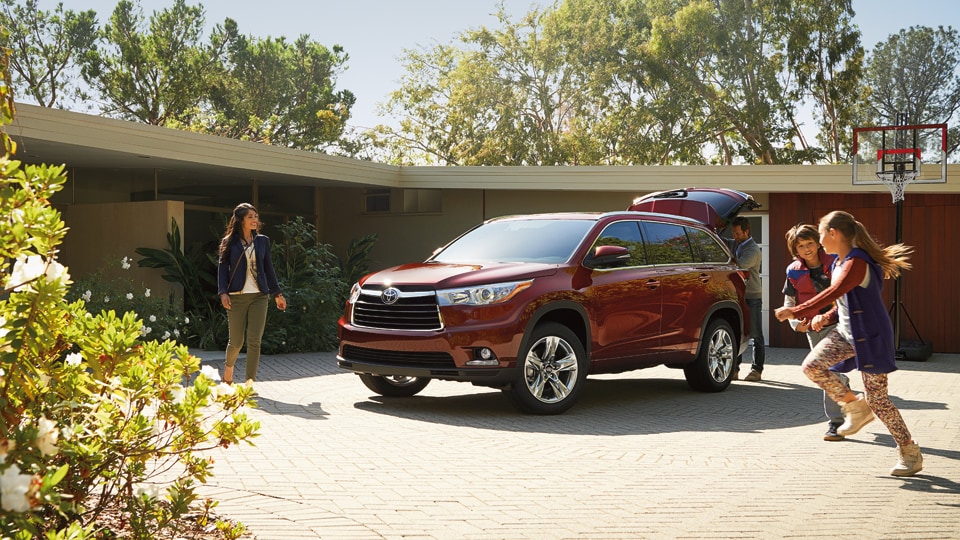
(163, 317)
(309, 276)
(92, 416)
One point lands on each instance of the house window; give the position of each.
(420, 201)
(376, 201)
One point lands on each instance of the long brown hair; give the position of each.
(235, 225)
(892, 259)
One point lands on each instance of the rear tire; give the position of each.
(394, 386)
(713, 368)
(552, 369)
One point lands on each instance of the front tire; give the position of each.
(552, 370)
(394, 386)
(713, 368)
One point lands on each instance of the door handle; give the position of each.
(652, 284)
(704, 278)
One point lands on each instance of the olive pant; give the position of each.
(248, 312)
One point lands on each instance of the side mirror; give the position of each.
(607, 257)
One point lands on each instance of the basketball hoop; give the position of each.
(896, 182)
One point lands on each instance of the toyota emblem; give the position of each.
(390, 295)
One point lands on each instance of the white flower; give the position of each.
(176, 332)
(47, 436)
(178, 394)
(13, 490)
(147, 293)
(150, 490)
(125, 263)
(106, 299)
(129, 296)
(186, 320)
(145, 330)
(210, 372)
(74, 359)
(166, 335)
(224, 389)
(24, 270)
(87, 295)
(57, 272)
(153, 318)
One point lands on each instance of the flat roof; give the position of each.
(56, 136)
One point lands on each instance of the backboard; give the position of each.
(918, 151)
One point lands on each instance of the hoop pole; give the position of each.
(897, 292)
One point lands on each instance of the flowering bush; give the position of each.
(92, 416)
(163, 318)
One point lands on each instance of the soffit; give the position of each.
(54, 136)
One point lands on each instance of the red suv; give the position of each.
(532, 304)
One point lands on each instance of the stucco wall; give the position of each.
(101, 235)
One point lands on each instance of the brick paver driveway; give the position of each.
(639, 456)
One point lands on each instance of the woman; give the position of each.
(245, 282)
(807, 275)
(863, 338)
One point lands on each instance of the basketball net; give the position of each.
(896, 182)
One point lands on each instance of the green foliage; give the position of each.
(92, 416)
(914, 72)
(205, 325)
(46, 46)
(163, 318)
(309, 276)
(274, 91)
(825, 55)
(153, 72)
(357, 263)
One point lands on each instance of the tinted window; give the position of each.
(666, 243)
(624, 234)
(705, 248)
(529, 240)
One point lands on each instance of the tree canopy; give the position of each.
(915, 73)
(46, 46)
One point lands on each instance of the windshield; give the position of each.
(533, 241)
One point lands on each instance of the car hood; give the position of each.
(448, 275)
(714, 207)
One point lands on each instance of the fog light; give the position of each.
(483, 357)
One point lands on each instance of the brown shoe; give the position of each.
(753, 376)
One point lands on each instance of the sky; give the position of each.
(375, 32)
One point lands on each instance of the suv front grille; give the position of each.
(431, 360)
(413, 310)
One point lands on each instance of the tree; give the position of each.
(730, 55)
(504, 98)
(915, 73)
(155, 74)
(826, 58)
(633, 116)
(46, 48)
(272, 91)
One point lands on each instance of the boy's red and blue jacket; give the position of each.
(800, 280)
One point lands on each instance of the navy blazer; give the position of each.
(233, 259)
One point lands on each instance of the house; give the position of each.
(128, 180)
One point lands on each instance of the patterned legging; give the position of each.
(832, 350)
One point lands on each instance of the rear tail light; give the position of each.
(744, 274)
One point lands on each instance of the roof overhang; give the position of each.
(56, 136)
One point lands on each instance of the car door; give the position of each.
(682, 284)
(624, 301)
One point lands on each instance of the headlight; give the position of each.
(481, 295)
(354, 293)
